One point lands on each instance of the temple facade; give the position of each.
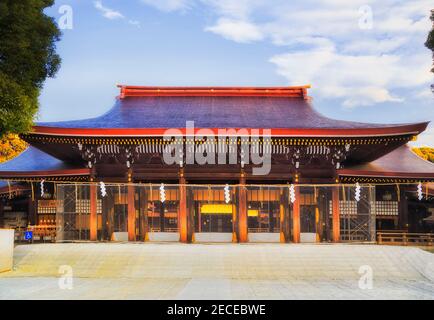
(222, 164)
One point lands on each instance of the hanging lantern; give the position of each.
(162, 193)
(103, 189)
(292, 193)
(227, 194)
(419, 191)
(42, 188)
(357, 192)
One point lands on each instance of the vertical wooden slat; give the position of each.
(336, 234)
(131, 199)
(242, 210)
(296, 216)
(93, 213)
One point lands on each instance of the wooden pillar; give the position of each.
(336, 223)
(131, 199)
(143, 209)
(285, 230)
(32, 212)
(93, 225)
(403, 210)
(106, 234)
(296, 216)
(319, 214)
(183, 210)
(242, 210)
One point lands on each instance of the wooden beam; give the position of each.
(242, 210)
(183, 210)
(93, 213)
(296, 216)
(336, 224)
(131, 213)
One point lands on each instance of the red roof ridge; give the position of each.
(149, 91)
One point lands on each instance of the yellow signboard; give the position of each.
(216, 209)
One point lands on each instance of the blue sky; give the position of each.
(364, 59)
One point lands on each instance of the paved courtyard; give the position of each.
(217, 271)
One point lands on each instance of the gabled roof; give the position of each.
(148, 111)
(400, 163)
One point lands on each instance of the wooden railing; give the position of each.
(405, 238)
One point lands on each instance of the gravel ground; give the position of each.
(218, 271)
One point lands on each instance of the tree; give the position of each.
(27, 58)
(425, 153)
(430, 42)
(11, 146)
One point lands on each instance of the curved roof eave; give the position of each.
(393, 130)
(400, 163)
(33, 163)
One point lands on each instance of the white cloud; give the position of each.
(327, 48)
(169, 5)
(107, 12)
(426, 139)
(134, 23)
(324, 44)
(236, 30)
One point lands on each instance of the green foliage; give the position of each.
(430, 41)
(425, 153)
(17, 107)
(27, 58)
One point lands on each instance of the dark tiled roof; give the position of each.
(401, 161)
(33, 159)
(212, 112)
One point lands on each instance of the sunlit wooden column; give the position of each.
(242, 210)
(285, 231)
(183, 210)
(296, 217)
(131, 199)
(93, 223)
(336, 227)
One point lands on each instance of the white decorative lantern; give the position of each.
(292, 193)
(103, 189)
(42, 188)
(357, 192)
(162, 193)
(419, 191)
(227, 194)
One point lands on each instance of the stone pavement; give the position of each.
(217, 271)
